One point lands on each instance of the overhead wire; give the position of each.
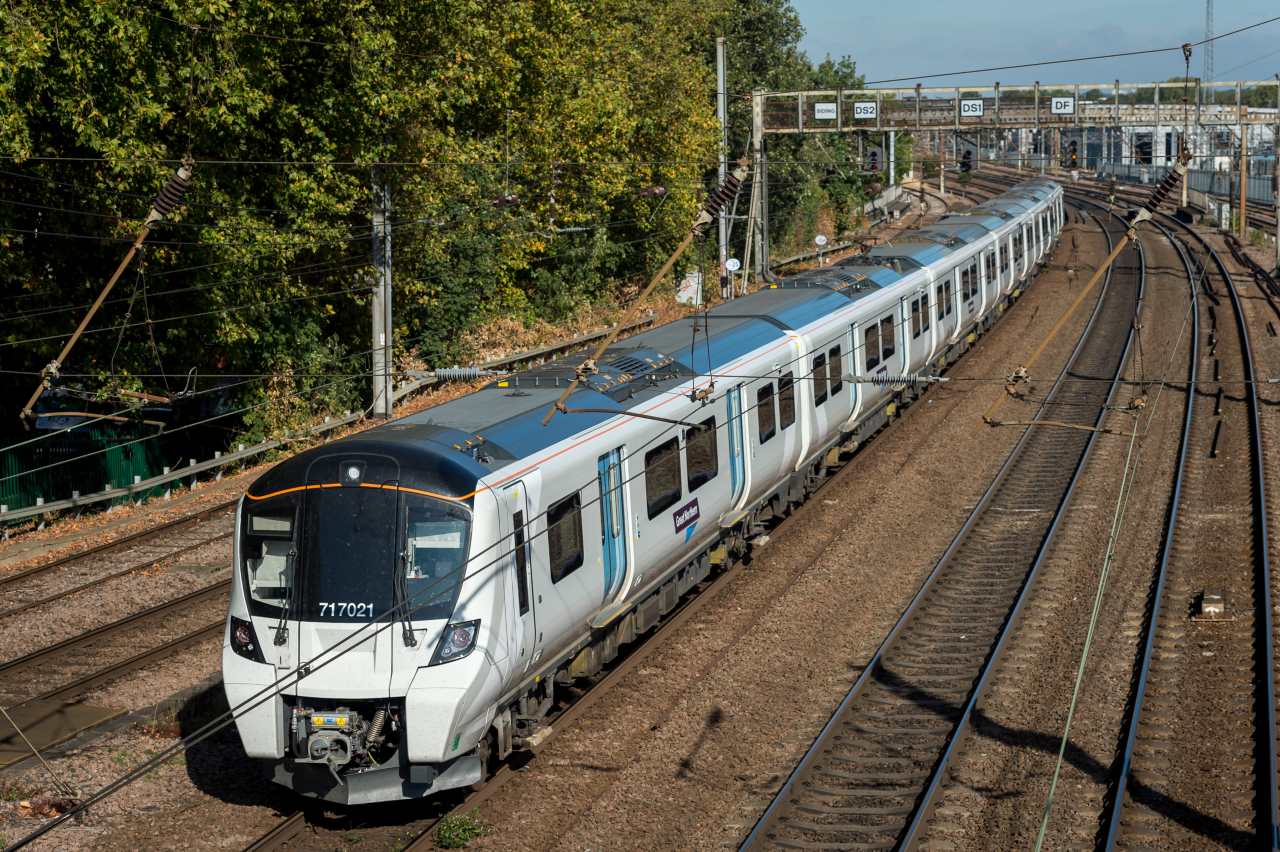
(1094, 57)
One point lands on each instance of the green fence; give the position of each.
(85, 460)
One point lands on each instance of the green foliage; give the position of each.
(557, 103)
(457, 830)
(517, 139)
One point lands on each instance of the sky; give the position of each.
(940, 36)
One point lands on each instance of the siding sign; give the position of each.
(824, 112)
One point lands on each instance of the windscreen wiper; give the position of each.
(402, 592)
(282, 625)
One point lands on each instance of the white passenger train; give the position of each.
(466, 561)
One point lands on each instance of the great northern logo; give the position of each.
(686, 518)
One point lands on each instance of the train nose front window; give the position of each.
(353, 554)
(269, 552)
(435, 556)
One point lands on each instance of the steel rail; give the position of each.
(1166, 550)
(190, 519)
(1268, 812)
(43, 656)
(115, 575)
(768, 828)
(694, 602)
(1268, 794)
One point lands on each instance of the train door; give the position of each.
(944, 306)
(736, 427)
(613, 521)
(525, 626)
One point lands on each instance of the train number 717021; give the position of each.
(343, 609)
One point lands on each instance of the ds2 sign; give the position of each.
(864, 109)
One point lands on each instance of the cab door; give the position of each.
(613, 521)
(525, 623)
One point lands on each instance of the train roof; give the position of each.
(453, 445)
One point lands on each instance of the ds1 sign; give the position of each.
(864, 109)
(971, 107)
(1062, 106)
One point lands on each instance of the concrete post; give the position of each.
(761, 231)
(383, 403)
(893, 165)
(722, 113)
(942, 164)
(1244, 182)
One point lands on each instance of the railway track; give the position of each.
(73, 667)
(1197, 757)
(312, 821)
(81, 571)
(1210, 680)
(871, 775)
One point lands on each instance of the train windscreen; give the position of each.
(354, 554)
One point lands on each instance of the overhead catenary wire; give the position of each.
(1091, 58)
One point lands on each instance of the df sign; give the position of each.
(971, 108)
(1062, 106)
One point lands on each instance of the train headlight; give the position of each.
(244, 641)
(459, 639)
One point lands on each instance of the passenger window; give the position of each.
(871, 342)
(766, 418)
(787, 399)
(700, 453)
(915, 318)
(886, 338)
(819, 376)
(950, 299)
(662, 477)
(924, 311)
(835, 370)
(522, 563)
(564, 537)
